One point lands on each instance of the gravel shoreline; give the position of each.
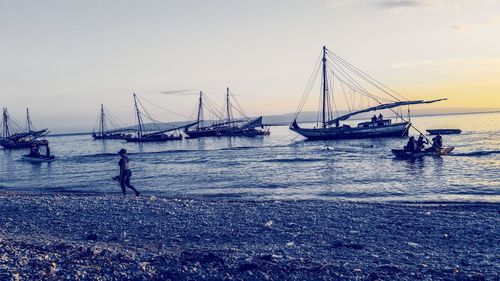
(112, 237)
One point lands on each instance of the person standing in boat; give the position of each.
(125, 172)
(380, 117)
(374, 118)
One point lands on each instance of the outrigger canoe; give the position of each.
(401, 153)
(42, 158)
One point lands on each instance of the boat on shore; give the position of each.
(155, 131)
(102, 133)
(227, 124)
(15, 137)
(338, 74)
(444, 131)
(402, 153)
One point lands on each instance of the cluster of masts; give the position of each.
(154, 131)
(335, 75)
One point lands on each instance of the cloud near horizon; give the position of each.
(395, 4)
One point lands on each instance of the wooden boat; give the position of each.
(444, 131)
(102, 133)
(158, 134)
(14, 137)
(42, 158)
(401, 153)
(336, 69)
(227, 124)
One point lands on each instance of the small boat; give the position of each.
(227, 125)
(444, 131)
(401, 153)
(42, 158)
(359, 91)
(155, 132)
(14, 137)
(36, 156)
(105, 134)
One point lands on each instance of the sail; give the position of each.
(169, 130)
(381, 107)
(257, 122)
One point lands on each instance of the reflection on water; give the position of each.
(281, 165)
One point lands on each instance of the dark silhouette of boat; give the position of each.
(14, 137)
(155, 131)
(402, 153)
(35, 155)
(102, 133)
(337, 73)
(444, 131)
(227, 125)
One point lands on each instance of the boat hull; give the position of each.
(22, 144)
(226, 133)
(145, 139)
(393, 130)
(98, 137)
(401, 153)
(40, 159)
(444, 131)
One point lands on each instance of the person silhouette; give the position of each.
(125, 172)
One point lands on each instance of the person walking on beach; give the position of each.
(125, 173)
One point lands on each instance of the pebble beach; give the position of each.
(113, 237)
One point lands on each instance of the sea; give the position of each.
(281, 166)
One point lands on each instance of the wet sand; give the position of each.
(89, 236)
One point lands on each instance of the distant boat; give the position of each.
(227, 125)
(401, 153)
(13, 136)
(336, 71)
(444, 131)
(103, 133)
(157, 134)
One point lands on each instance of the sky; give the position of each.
(63, 58)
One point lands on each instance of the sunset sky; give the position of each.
(64, 58)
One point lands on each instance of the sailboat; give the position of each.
(337, 73)
(103, 133)
(227, 125)
(13, 136)
(154, 131)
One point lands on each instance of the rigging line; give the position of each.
(213, 107)
(345, 96)
(237, 106)
(333, 98)
(354, 84)
(368, 78)
(307, 89)
(175, 113)
(361, 89)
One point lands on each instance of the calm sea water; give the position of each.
(279, 166)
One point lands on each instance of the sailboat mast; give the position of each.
(324, 90)
(28, 120)
(139, 121)
(102, 120)
(200, 109)
(228, 107)
(6, 131)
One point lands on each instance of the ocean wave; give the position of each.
(477, 153)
